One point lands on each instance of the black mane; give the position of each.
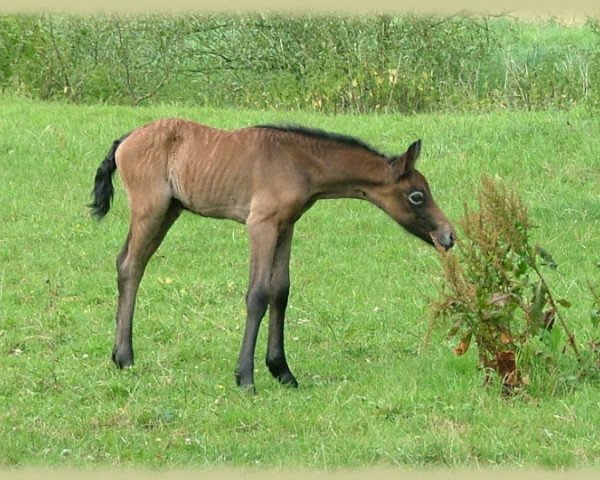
(329, 136)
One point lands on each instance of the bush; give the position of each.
(495, 294)
(332, 64)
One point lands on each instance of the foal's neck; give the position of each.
(347, 172)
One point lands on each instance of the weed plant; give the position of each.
(496, 295)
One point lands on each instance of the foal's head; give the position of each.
(408, 199)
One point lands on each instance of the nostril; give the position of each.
(444, 239)
(451, 239)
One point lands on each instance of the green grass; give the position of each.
(370, 393)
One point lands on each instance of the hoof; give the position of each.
(122, 359)
(288, 379)
(280, 370)
(248, 389)
(245, 382)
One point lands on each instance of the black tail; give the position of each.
(103, 187)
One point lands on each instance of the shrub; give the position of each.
(327, 63)
(495, 294)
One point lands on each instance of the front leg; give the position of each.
(263, 241)
(280, 287)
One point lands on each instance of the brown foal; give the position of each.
(265, 177)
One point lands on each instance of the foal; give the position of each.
(265, 177)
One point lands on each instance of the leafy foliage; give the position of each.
(496, 295)
(325, 63)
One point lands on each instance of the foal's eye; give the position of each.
(416, 198)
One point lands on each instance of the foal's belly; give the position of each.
(238, 213)
(215, 196)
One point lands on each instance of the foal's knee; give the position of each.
(257, 301)
(279, 296)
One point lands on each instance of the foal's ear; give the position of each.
(405, 163)
(412, 154)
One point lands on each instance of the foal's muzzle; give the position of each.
(444, 238)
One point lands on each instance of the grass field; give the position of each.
(370, 393)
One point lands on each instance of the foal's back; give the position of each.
(212, 172)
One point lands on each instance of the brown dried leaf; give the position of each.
(464, 344)
(507, 368)
(505, 362)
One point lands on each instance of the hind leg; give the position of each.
(146, 232)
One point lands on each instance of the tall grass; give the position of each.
(323, 63)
